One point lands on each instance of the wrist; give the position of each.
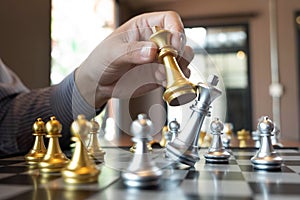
(90, 90)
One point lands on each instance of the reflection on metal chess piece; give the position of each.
(185, 147)
(266, 158)
(256, 138)
(81, 169)
(206, 140)
(170, 133)
(228, 134)
(216, 152)
(201, 138)
(133, 148)
(55, 159)
(275, 136)
(174, 128)
(142, 171)
(37, 153)
(179, 90)
(243, 136)
(94, 149)
(165, 137)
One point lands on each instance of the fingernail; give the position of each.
(146, 51)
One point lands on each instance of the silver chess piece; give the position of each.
(171, 133)
(216, 152)
(275, 136)
(142, 171)
(185, 147)
(256, 138)
(174, 127)
(228, 134)
(266, 158)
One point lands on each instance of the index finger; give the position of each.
(139, 28)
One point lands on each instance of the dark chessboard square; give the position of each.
(246, 150)
(246, 168)
(192, 174)
(10, 162)
(25, 179)
(288, 153)
(291, 162)
(214, 197)
(243, 157)
(274, 188)
(42, 193)
(216, 175)
(13, 169)
(232, 162)
(18, 180)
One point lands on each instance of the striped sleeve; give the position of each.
(20, 107)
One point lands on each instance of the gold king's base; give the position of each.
(179, 94)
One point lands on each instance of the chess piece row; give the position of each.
(184, 147)
(81, 168)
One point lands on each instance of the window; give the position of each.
(77, 26)
(223, 51)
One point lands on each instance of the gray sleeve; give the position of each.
(20, 107)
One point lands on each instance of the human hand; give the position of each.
(125, 65)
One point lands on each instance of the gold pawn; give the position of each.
(206, 141)
(94, 148)
(37, 153)
(201, 138)
(163, 141)
(243, 136)
(81, 169)
(55, 159)
(179, 90)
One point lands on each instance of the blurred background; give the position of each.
(252, 45)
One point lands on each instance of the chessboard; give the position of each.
(234, 180)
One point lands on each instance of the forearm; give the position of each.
(19, 112)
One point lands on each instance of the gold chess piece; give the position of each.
(149, 147)
(179, 90)
(94, 148)
(81, 169)
(163, 142)
(38, 151)
(201, 138)
(228, 130)
(243, 136)
(206, 142)
(55, 159)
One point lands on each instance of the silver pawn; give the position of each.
(174, 127)
(142, 171)
(266, 158)
(228, 133)
(256, 138)
(216, 152)
(171, 134)
(275, 136)
(94, 149)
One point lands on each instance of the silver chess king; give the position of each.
(185, 146)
